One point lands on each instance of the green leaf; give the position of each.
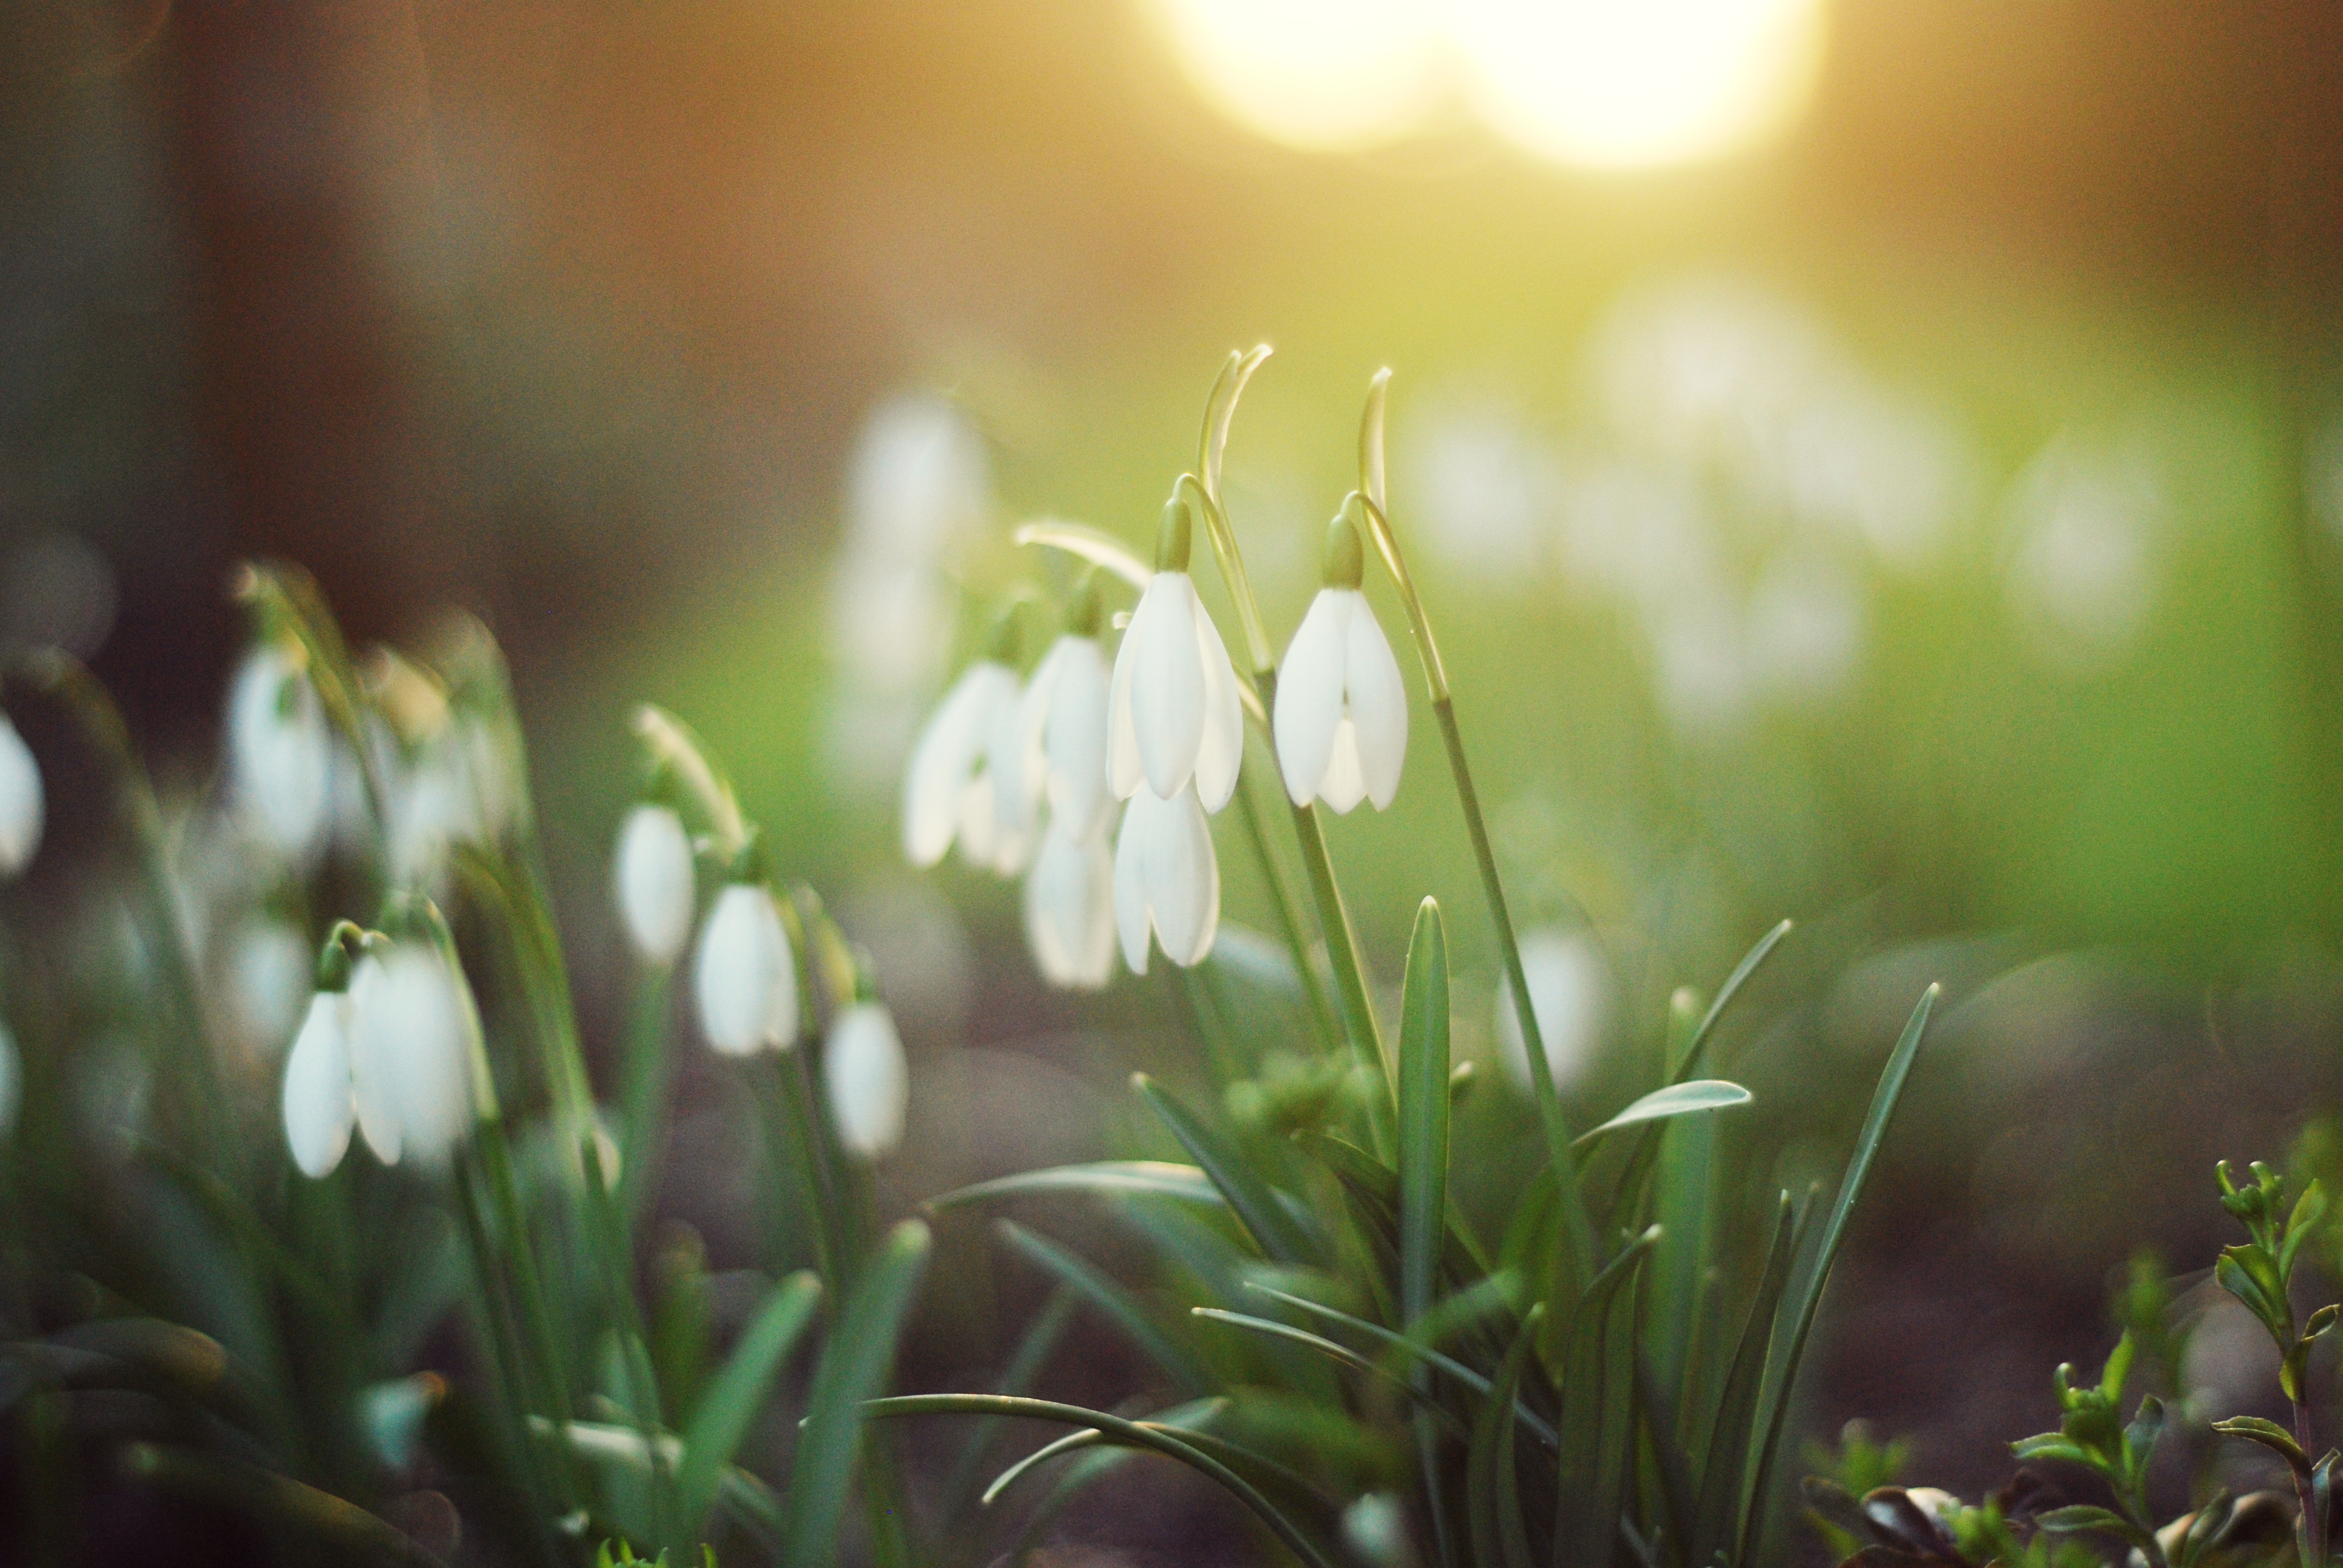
(1491, 1505)
(1137, 1435)
(721, 1418)
(2107, 1520)
(1143, 1178)
(1087, 543)
(854, 1366)
(2301, 1225)
(1343, 1355)
(1688, 1098)
(2269, 1434)
(1114, 1303)
(337, 1530)
(1185, 1415)
(1805, 1295)
(1423, 1114)
(1597, 1402)
(1724, 1470)
(2050, 1445)
(1256, 1203)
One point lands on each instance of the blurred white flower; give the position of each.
(1069, 910)
(281, 750)
(1570, 992)
(410, 1030)
(867, 1080)
(654, 883)
(12, 1083)
(967, 757)
(1341, 707)
(1166, 878)
(1700, 668)
(1375, 1528)
(266, 979)
(320, 1103)
(21, 807)
(1174, 713)
(1061, 727)
(2083, 576)
(746, 980)
(1806, 622)
(1488, 487)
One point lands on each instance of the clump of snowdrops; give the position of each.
(2288, 1512)
(370, 1275)
(1330, 1335)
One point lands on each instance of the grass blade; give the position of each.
(1332, 1351)
(1423, 1114)
(1279, 1237)
(1114, 1303)
(1142, 1178)
(1691, 1098)
(854, 1366)
(1724, 1466)
(721, 1418)
(1498, 1541)
(1595, 1434)
(1805, 1295)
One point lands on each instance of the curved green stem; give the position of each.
(1289, 920)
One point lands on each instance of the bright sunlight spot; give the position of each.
(1583, 83)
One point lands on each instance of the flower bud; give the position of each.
(320, 1108)
(20, 802)
(654, 878)
(867, 1078)
(746, 981)
(281, 750)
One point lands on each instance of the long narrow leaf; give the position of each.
(1255, 1203)
(1805, 1293)
(1724, 1467)
(854, 1366)
(721, 1418)
(1423, 1114)
(1594, 1430)
(1141, 1178)
(1114, 1303)
(1687, 1099)
(1332, 1351)
(1498, 1539)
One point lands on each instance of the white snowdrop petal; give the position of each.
(281, 750)
(1124, 772)
(1310, 696)
(424, 1014)
(318, 1106)
(867, 1080)
(1012, 753)
(655, 882)
(21, 805)
(1220, 751)
(1167, 682)
(938, 772)
(1183, 890)
(745, 983)
(1131, 918)
(1069, 910)
(374, 1061)
(1377, 697)
(1344, 785)
(1076, 737)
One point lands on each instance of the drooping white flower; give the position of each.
(320, 1103)
(281, 750)
(267, 979)
(965, 756)
(1341, 723)
(21, 808)
(654, 882)
(1061, 723)
(746, 980)
(1570, 991)
(1070, 907)
(411, 1024)
(867, 1080)
(1166, 879)
(1173, 714)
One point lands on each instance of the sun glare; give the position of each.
(1588, 83)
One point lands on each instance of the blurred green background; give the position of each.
(1925, 522)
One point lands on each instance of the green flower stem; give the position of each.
(645, 1083)
(780, 1094)
(194, 1112)
(617, 1257)
(1584, 1253)
(1289, 918)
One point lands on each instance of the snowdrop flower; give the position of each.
(1070, 909)
(1166, 878)
(266, 978)
(410, 1036)
(280, 749)
(1341, 723)
(747, 980)
(1061, 724)
(964, 780)
(321, 1101)
(1173, 714)
(21, 808)
(654, 882)
(1570, 987)
(867, 1080)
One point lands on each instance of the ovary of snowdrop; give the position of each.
(281, 750)
(653, 882)
(868, 1080)
(1166, 878)
(411, 1037)
(1069, 910)
(1569, 990)
(964, 781)
(746, 981)
(1341, 723)
(21, 809)
(1174, 713)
